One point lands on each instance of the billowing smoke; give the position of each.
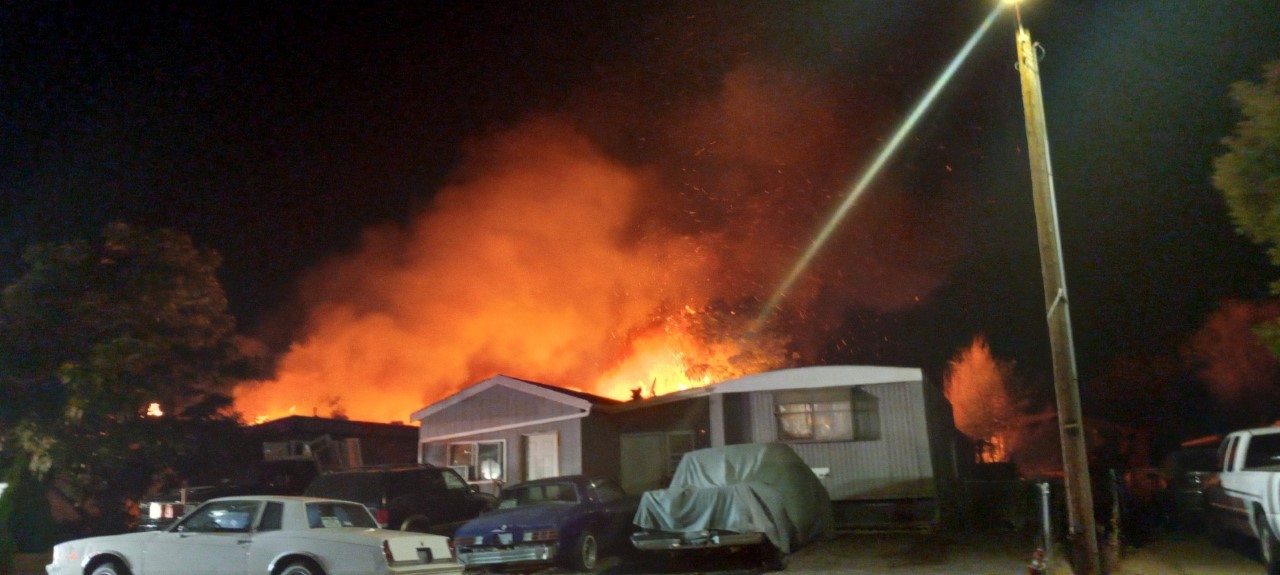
(607, 251)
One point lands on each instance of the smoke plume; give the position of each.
(603, 251)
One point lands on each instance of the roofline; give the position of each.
(503, 427)
(813, 377)
(819, 376)
(507, 382)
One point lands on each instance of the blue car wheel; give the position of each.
(585, 552)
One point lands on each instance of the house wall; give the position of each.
(897, 466)
(494, 407)
(644, 440)
(569, 433)
(600, 454)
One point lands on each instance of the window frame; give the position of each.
(855, 410)
(473, 466)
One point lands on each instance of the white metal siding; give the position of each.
(895, 466)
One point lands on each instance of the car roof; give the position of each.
(385, 469)
(281, 498)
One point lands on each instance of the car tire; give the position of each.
(301, 567)
(1218, 534)
(772, 558)
(1268, 547)
(416, 523)
(585, 553)
(110, 567)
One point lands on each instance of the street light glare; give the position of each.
(1011, 2)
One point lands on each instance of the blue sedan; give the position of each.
(565, 520)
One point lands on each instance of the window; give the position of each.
(225, 516)
(478, 460)
(538, 494)
(1264, 451)
(453, 481)
(829, 414)
(607, 491)
(678, 444)
(335, 515)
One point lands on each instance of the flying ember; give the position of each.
(549, 258)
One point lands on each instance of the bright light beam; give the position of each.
(870, 173)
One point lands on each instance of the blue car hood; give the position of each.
(528, 516)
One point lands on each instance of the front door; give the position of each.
(541, 456)
(172, 553)
(213, 540)
(644, 461)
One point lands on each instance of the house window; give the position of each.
(479, 460)
(678, 444)
(828, 414)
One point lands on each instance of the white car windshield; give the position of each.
(335, 515)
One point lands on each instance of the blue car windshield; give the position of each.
(522, 495)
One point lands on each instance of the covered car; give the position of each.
(566, 520)
(734, 496)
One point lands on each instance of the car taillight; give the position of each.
(382, 516)
(386, 552)
(541, 535)
(453, 549)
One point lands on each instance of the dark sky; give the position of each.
(277, 133)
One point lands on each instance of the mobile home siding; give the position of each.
(897, 466)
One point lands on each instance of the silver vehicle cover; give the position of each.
(757, 487)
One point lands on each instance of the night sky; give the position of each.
(280, 133)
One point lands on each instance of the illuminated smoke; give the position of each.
(563, 253)
(1242, 374)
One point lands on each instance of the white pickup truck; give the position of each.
(1244, 497)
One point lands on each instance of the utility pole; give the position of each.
(1075, 460)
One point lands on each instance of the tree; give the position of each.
(92, 334)
(1248, 175)
(1242, 374)
(984, 403)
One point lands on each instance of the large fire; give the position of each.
(983, 400)
(550, 259)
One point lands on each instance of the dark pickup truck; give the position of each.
(269, 477)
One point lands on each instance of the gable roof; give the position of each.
(575, 399)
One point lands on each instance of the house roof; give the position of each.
(577, 399)
(795, 378)
(302, 425)
(818, 376)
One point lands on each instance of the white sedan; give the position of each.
(262, 535)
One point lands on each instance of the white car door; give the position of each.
(213, 540)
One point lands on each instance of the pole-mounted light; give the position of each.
(1071, 426)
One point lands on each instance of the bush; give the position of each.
(26, 522)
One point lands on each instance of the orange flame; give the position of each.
(548, 259)
(979, 389)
